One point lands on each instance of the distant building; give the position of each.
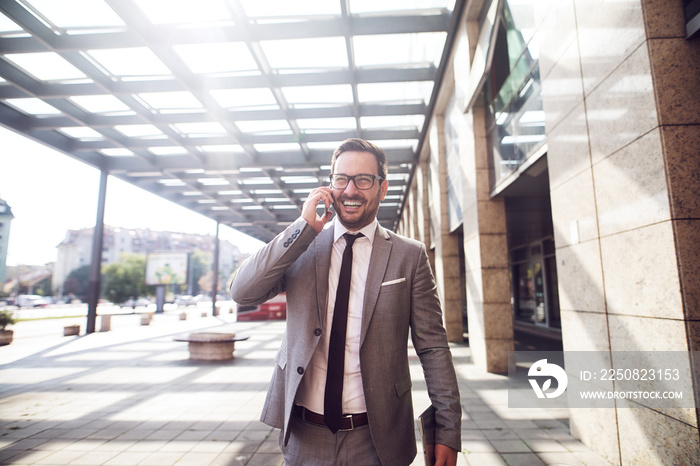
(76, 249)
(27, 279)
(5, 219)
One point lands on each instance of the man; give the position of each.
(391, 290)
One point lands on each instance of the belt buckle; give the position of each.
(352, 423)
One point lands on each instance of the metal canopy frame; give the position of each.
(256, 188)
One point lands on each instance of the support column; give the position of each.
(422, 209)
(447, 271)
(489, 310)
(96, 259)
(215, 267)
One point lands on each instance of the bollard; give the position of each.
(183, 316)
(146, 318)
(70, 330)
(105, 323)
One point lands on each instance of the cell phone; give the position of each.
(327, 209)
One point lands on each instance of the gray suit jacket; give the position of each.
(400, 295)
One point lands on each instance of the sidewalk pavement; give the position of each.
(131, 396)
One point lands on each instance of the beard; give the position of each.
(364, 216)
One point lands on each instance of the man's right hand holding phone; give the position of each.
(309, 212)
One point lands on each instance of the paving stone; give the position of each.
(510, 446)
(522, 459)
(484, 459)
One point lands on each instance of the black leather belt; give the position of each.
(348, 421)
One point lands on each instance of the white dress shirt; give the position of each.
(313, 385)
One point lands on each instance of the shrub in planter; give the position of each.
(5, 320)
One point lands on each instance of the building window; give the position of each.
(513, 91)
(691, 8)
(535, 295)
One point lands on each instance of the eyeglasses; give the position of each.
(361, 181)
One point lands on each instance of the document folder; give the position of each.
(426, 423)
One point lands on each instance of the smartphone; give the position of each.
(327, 209)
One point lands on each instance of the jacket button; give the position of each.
(300, 370)
(317, 332)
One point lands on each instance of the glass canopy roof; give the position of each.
(230, 108)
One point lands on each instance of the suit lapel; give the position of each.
(378, 263)
(324, 246)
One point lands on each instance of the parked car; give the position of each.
(200, 298)
(136, 302)
(184, 300)
(273, 309)
(32, 300)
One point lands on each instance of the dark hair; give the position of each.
(360, 145)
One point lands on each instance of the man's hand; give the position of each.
(308, 210)
(445, 456)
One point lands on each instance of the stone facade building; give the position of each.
(558, 195)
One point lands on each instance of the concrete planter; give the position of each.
(211, 346)
(105, 323)
(70, 330)
(6, 337)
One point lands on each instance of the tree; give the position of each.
(200, 264)
(125, 279)
(206, 282)
(43, 288)
(77, 282)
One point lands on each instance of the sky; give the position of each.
(50, 193)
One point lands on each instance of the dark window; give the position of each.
(534, 281)
(691, 9)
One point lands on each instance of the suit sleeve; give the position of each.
(430, 341)
(262, 276)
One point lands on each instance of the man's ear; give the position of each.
(383, 189)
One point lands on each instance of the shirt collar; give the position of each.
(369, 230)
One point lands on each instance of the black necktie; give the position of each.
(333, 402)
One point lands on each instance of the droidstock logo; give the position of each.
(543, 369)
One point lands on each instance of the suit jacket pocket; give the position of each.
(393, 286)
(403, 385)
(281, 358)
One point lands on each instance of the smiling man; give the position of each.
(341, 388)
